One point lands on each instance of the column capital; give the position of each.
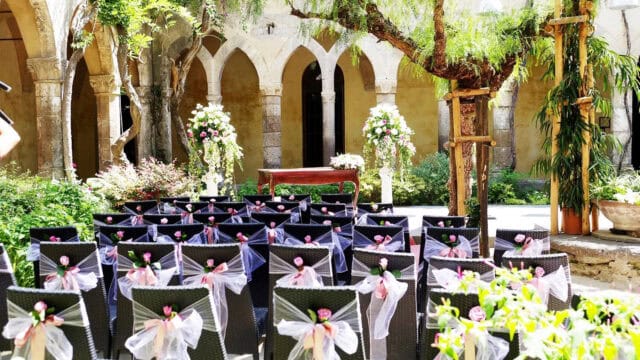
(105, 84)
(328, 96)
(48, 69)
(386, 86)
(271, 90)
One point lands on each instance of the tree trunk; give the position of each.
(468, 118)
(482, 170)
(117, 148)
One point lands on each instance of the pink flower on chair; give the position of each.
(146, 257)
(519, 238)
(210, 263)
(298, 262)
(477, 314)
(120, 234)
(307, 239)
(54, 238)
(109, 220)
(324, 314)
(64, 260)
(164, 221)
(241, 237)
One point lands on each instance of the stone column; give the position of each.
(386, 91)
(621, 125)
(144, 139)
(271, 125)
(107, 91)
(162, 112)
(504, 153)
(47, 78)
(328, 125)
(443, 125)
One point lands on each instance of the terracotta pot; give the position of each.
(571, 222)
(624, 216)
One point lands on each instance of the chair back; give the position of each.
(138, 233)
(251, 199)
(7, 279)
(301, 299)
(193, 233)
(375, 208)
(195, 206)
(296, 197)
(437, 233)
(282, 206)
(369, 232)
(218, 218)
(78, 334)
(267, 218)
(398, 220)
(447, 221)
(343, 198)
(241, 332)
(509, 235)
(299, 231)
(400, 343)
(95, 299)
(159, 218)
(328, 209)
(211, 343)
(208, 198)
(60, 233)
(240, 207)
(110, 219)
(550, 263)
(141, 207)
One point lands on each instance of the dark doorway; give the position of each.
(312, 147)
(635, 131)
(130, 148)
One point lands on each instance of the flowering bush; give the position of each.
(151, 180)
(623, 188)
(213, 139)
(388, 138)
(347, 161)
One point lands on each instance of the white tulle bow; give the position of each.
(145, 275)
(228, 275)
(81, 277)
(528, 247)
(34, 342)
(320, 340)
(554, 284)
(310, 276)
(451, 280)
(161, 338)
(434, 247)
(386, 294)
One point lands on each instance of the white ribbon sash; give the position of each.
(166, 239)
(229, 275)
(316, 337)
(33, 252)
(250, 258)
(156, 337)
(146, 275)
(451, 280)
(390, 243)
(554, 284)
(48, 337)
(434, 247)
(330, 240)
(386, 293)
(530, 247)
(82, 276)
(310, 276)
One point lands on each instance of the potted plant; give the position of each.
(619, 200)
(213, 140)
(388, 139)
(612, 71)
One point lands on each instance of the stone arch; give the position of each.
(36, 27)
(217, 64)
(385, 62)
(288, 50)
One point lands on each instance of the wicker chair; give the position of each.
(343, 198)
(251, 199)
(7, 278)
(79, 336)
(135, 233)
(114, 219)
(192, 233)
(141, 207)
(333, 298)
(62, 233)
(311, 256)
(207, 199)
(510, 234)
(397, 220)
(402, 338)
(550, 263)
(447, 221)
(259, 283)
(123, 324)
(95, 299)
(225, 207)
(203, 218)
(267, 218)
(370, 231)
(242, 329)
(196, 206)
(331, 209)
(158, 218)
(286, 207)
(375, 208)
(210, 345)
(464, 303)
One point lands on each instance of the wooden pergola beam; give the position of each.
(569, 20)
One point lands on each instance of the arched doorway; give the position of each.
(84, 127)
(312, 114)
(635, 131)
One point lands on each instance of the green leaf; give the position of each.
(312, 315)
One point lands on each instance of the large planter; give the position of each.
(624, 216)
(571, 222)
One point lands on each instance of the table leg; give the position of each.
(341, 187)
(356, 192)
(260, 188)
(272, 188)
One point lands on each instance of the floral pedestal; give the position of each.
(624, 216)
(211, 180)
(386, 181)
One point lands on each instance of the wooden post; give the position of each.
(456, 131)
(555, 128)
(585, 110)
(482, 170)
(469, 347)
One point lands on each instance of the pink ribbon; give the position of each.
(142, 276)
(69, 281)
(454, 252)
(137, 220)
(36, 335)
(209, 231)
(187, 217)
(208, 278)
(164, 326)
(314, 339)
(380, 242)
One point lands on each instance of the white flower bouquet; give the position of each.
(347, 161)
(388, 138)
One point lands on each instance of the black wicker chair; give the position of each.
(328, 209)
(375, 208)
(343, 198)
(210, 345)
(550, 263)
(110, 219)
(207, 198)
(242, 328)
(508, 235)
(286, 207)
(60, 234)
(141, 207)
(7, 278)
(106, 238)
(370, 231)
(95, 299)
(445, 221)
(333, 298)
(79, 336)
(310, 256)
(403, 338)
(158, 219)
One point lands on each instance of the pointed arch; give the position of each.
(36, 27)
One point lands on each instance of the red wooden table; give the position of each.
(308, 176)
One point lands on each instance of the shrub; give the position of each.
(152, 179)
(409, 191)
(500, 193)
(434, 172)
(27, 201)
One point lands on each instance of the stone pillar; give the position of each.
(47, 78)
(386, 91)
(504, 153)
(328, 125)
(443, 125)
(271, 125)
(144, 140)
(621, 125)
(162, 114)
(107, 91)
(214, 98)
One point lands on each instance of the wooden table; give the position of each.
(308, 176)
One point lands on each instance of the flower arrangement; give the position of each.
(213, 139)
(117, 236)
(623, 188)
(347, 161)
(388, 138)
